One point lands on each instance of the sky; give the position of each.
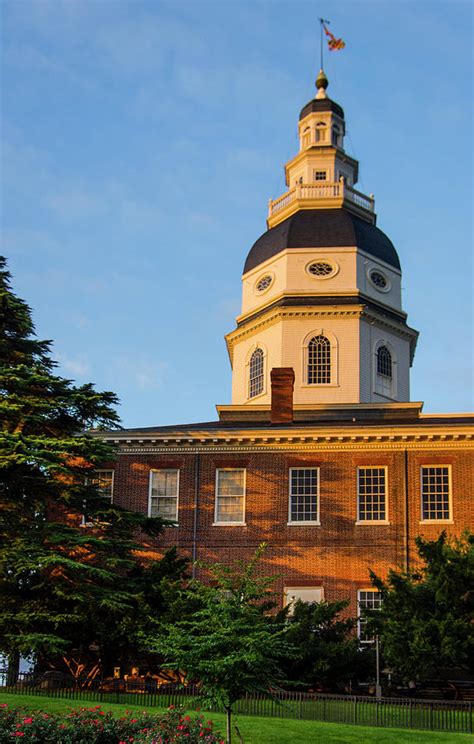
(141, 142)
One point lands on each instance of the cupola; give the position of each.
(321, 288)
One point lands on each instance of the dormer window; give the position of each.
(307, 137)
(336, 136)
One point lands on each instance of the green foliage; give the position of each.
(426, 620)
(95, 726)
(63, 586)
(228, 644)
(328, 655)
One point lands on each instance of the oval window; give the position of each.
(322, 269)
(264, 283)
(379, 280)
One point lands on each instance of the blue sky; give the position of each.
(142, 140)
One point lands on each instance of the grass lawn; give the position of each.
(266, 730)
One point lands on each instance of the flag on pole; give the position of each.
(333, 43)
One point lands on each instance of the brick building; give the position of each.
(321, 453)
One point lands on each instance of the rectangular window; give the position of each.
(230, 496)
(371, 494)
(435, 492)
(164, 489)
(367, 600)
(304, 491)
(309, 594)
(104, 481)
(320, 175)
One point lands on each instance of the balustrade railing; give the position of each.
(324, 190)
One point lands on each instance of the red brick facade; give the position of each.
(335, 555)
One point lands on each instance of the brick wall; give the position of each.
(337, 554)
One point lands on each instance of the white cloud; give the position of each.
(77, 367)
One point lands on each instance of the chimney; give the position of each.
(282, 380)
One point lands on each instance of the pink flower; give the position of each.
(27, 720)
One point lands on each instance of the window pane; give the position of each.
(368, 600)
(304, 494)
(104, 480)
(372, 494)
(164, 494)
(256, 373)
(230, 496)
(435, 492)
(319, 361)
(230, 482)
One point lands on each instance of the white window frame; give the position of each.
(150, 484)
(97, 473)
(319, 171)
(249, 369)
(289, 602)
(217, 523)
(360, 621)
(359, 520)
(309, 522)
(450, 519)
(375, 375)
(334, 360)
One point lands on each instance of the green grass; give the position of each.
(265, 730)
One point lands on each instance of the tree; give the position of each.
(229, 644)
(62, 584)
(426, 619)
(328, 654)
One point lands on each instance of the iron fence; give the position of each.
(404, 713)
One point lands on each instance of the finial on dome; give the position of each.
(321, 84)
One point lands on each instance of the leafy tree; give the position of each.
(229, 644)
(426, 619)
(62, 585)
(328, 654)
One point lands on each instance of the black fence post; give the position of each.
(354, 709)
(470, 717)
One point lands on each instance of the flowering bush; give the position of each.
(94, 726)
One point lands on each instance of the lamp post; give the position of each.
(378, 687)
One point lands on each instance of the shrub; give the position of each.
(94, 726)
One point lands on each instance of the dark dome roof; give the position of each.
(322, 228)
(321, 104)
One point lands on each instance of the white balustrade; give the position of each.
(323, 190)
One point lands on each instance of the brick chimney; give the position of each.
(283, 381)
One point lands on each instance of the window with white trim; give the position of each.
(307, 594)
(368, 600)
(230, 496)
(104, 482)
(320, 132)
(319, 361)
(435, 492)
(371, 494)
(304, 495)
(384, 381)
(256, 373)
(164, 489)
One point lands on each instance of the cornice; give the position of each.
(368, 438)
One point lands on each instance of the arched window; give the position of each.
(320, 132)
(385, 383)
(384, 362)
(336, 136)
(319, 361)
(256, 373)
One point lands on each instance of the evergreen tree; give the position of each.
(328, 654)
(426, 623)
(63, 585)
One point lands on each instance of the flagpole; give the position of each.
(322, 21)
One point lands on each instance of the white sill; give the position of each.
(320, 385)
(436, 521)
(304, 524)
(371, 522)
(229, 524)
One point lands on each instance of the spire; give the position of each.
(321, 84)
